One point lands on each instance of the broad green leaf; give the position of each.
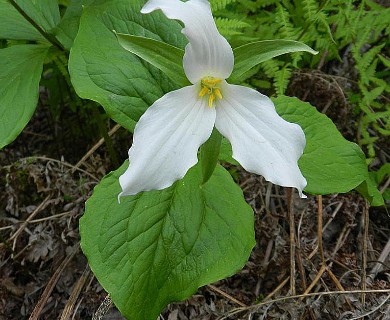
(160, 246)
(20, 71)
(67, 29)
(330, 163)
(382, 173)
(225, 153)
(14, 27)
(163, 56)
(369, 190)
(209, 153)
(44, 13)
(251, 54)
(101, 70)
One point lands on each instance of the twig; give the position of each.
(319, 230)
(226, 295)
(338, 285)
(313, 283)
(292, 239)
(299, 253)
(385, 185)
(316, 294)
(54, 216)
(314, 251)
(362, 316)
(277, 289)
(51, 284)
(68, 309)
(66, 164)
(42, 205)
(379, 264)
(95, 147)
(364, 253)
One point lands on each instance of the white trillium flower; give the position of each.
(168, 135)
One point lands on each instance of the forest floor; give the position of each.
(49, 172)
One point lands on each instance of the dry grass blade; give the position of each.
(227, 296)
(313, 294)
(362, 316)
(70, 304)
(364, 253)
(292, 239)
(51, 284)
(379, 264)
(95, 147)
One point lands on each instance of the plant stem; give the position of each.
(47, 36)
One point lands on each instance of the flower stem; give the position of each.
(209, 153)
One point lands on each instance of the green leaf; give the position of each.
(160, 246)
(225, 153)
(20, 71)
(209, 153)
(330, 163)
(369, 190)
(382, 173)
(44, 13)
(102, 71)
(251, 54)
(163, 56)
(14, 27)
(66, 30)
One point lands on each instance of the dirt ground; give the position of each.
(49, 172)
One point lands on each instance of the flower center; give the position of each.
(209, 85)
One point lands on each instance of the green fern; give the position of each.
(310, 10)
(282, 18)
(282, 78)
(270, 68)
(217, 5)
(267, 3)
(228, 27)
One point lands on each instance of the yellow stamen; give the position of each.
(209, 86)
(218, 93)
(211, 99)
(211, 81)
(203, 91)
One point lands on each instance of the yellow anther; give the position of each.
(209, 86)
(203, 91)
(210, 82)
(211, 99)
(218, 93)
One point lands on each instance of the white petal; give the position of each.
(166, 140)
(207, 53)
(262, 141)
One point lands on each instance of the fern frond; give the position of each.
(266, 3)
(229, 27)
(366, 64)
(270, 68)
(220, 4)
(310, 9)
(321, 19)
(250, 5)
(282, 78)
(282, 18)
